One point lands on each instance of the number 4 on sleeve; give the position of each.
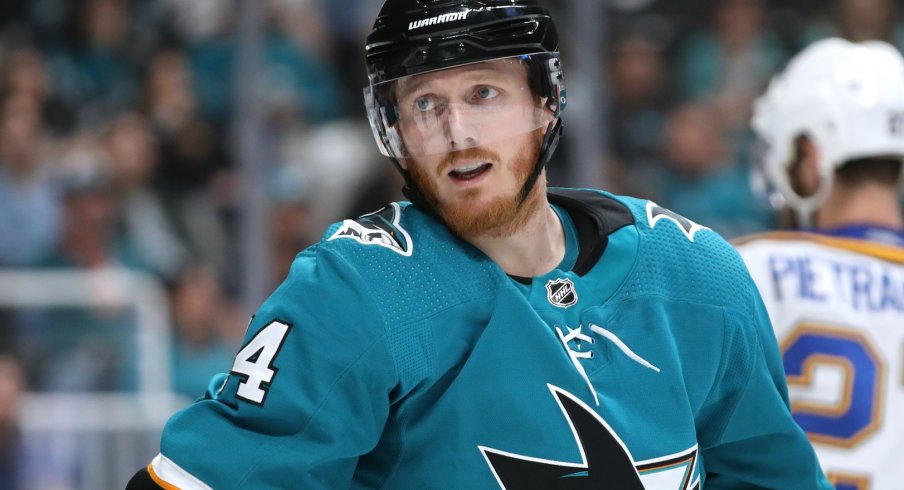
(254, 363)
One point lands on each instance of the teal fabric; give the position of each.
(435, 371)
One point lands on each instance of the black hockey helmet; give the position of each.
(412, 37)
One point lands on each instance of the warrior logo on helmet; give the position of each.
(439, 19)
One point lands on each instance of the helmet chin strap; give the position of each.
(547, 148)
(411, 191)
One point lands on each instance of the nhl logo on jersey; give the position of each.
(561, 293)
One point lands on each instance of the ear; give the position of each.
(811, 155)
(547, 113)
(805, 174)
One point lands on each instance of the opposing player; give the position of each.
(495, 333)
(833, 128)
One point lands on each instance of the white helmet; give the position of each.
(848, 98)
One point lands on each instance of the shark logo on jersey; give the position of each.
(380, 228)
(656, 212)
(561, 293)
(605, 460)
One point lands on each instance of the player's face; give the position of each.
(474, 116)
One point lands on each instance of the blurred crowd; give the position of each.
(118, 144)
(118, 150)
(683, 80)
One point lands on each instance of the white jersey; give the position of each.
(837, 306)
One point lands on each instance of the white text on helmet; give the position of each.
(439, 19)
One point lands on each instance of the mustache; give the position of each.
(466, 154)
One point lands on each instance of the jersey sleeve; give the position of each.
(308, 394)
(142, 481)
(751, 439)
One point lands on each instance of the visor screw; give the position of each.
(461, 47)
(422, 55)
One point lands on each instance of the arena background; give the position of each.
(162, 161)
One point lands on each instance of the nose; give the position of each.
(460, 129)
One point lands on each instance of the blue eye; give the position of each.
(486, 93)
(424, 104)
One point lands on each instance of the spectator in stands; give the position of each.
(191, 152)
(143, 215)
(864, 20)
(29, 461)
(167, 94)
(24, 73)
(90, 238)
(290, 218)
(93, 70)
(703, 180)
(728, 64)
(300, 86)
(199, 348)
(88, 349)
(12, 455)
(349, 21)
(194, 168)
(858, 20)
(638, 76)
(29, 205)
(192, 20)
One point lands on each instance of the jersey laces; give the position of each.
(576, 355)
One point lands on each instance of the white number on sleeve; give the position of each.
(254, 363)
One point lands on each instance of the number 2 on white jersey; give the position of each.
(857, 412)
(254, 363)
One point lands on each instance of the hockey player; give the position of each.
(832, 127)
(495, 333)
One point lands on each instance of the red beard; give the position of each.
(499, 217)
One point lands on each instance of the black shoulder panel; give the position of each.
(142, 481)
(595, 216)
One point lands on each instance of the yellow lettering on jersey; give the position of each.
(859, 482)
(885, 252)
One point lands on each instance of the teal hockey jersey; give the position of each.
(397, 356)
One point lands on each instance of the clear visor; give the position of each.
(459, 108)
